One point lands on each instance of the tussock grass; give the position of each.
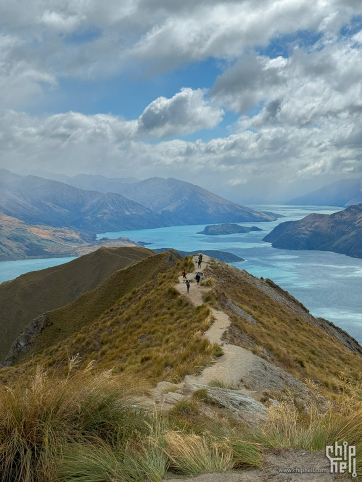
(37, 418)
(282, 335)
(191, 454)
(287, 427)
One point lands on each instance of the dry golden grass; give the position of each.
(152, 331)
(296, 345)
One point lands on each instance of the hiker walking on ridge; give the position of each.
(197, 278)
(184, 279)
(199, 261)
(188, 285)
(183, 273)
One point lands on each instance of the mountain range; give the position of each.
(340, 232)
(151, 203)
(344, 192)
(35, 200)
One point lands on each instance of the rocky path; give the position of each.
(238, 368)
(245, 377)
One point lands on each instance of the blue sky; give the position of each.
(257, 101)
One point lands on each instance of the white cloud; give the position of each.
(55, 41)
(184, 113)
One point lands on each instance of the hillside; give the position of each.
(19, 240)
(340, 232)
(35, 200)
(56, 326)
(218, 229)
(242, 369)
(36, 292)
(340, 193)
(275, 326)
(137, 322)
(178, 202)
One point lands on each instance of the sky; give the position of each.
(258, 101)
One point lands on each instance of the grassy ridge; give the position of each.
(36, 292)
(130, 325)
(287, 337)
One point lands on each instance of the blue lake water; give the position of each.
(328, 284)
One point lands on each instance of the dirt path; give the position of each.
(287, 465)
(238, 368)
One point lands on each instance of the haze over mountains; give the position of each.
(161, 202)
(35, 200)
(340, 193)
(340, 232)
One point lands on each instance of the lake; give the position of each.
(328, 284)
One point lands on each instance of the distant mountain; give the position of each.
(340, 232)
(228, 228)
(178, 202)
(152, 203)
(19, 240)
(35, 200)
(36, 292)
(90, 182)
(340, 193)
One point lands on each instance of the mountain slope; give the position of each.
(179, 202)
(42, 201)
(340, 193)
(19, 240)
(340, 232)
(56, 326)
(154, 330)
(36, 292)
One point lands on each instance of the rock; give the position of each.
(236, 402)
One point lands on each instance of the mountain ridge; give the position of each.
(34, 293)
(340, 232)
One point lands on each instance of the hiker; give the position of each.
(199, 261)
(184, 278)
(197, 278)
(183, 273)
(188, 285)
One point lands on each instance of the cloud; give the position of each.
(146, 34)
(306, 89)
(185, 112)
(74, 143)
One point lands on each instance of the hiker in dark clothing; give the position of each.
(197, 278)
(183, 273)
(199, 262)
(188, 285)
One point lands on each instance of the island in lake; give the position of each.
(227, 228)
